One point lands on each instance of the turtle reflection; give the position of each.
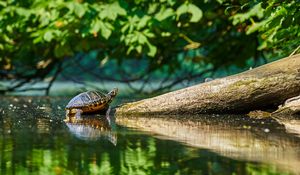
(92, 127)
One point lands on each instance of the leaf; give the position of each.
(182, 10)
(171, 2)
(125, 27)
(105, 30)
(96, 25)
(143, 22)
(142, 39)
(196, 13)
(3, 3)
(37, 40)
(129, 49)
(256, 26)
(257, 11)
(192, 9)
(148, 33)
(79, 9)
(9, 28)
(139, 49)
(48, 36)
(164, 14)
(262, 46)
(152, 50)
(116, 8)
(23, 12)
(112, 11)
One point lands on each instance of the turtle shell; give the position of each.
(88, 98)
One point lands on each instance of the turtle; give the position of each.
(90, 102)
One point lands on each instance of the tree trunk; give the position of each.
(265, 86)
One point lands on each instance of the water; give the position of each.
(34, 139)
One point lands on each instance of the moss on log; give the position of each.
(265, 86)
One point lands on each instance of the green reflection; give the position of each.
(32, 143)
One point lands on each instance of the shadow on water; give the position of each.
(34, 139)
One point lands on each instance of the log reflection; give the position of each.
(291, 123)
(232, 136)
(92, 127)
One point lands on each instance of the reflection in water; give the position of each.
(236, 137)
(290, 122)
(35, 140)
(92, 127)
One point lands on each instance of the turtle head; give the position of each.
(113, 92)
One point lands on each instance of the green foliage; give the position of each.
(115, 24)
(39, 30)
(37, 35)
(275, 22)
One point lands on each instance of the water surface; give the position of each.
(35, 140)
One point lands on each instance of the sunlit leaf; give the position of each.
(142, 39)
(79, 9)
(48, 36)
(191, 9)
(130, 49)
(139, 49)
(96, 25)
(106, 30)
(196, 13)
(164, 14)
(112, 11)
(257, 11)
(152, 50)
(3, 3)
(256, 26)
(143, 22)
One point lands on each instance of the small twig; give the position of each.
(58, 70)
(30, 89)
(144, 84)
(179, 80)
(167, 78)
(108, 78)
(295, 51)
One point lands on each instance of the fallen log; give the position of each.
(263, 87)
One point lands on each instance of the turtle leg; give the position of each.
(67, 112)
(67, 115)
(78, 114)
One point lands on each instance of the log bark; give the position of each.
(290, 107)
(265, 86)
